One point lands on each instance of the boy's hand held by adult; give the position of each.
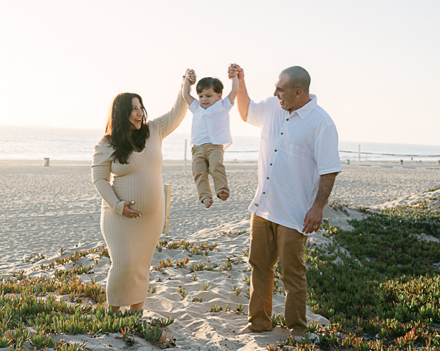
(190, 75)
(232, 70)
(188, 79)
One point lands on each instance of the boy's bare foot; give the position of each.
(223, 195)
(245, 330)
(207, 201)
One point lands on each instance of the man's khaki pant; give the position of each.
(208, 159)
(268, 241)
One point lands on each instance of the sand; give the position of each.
(45, 209)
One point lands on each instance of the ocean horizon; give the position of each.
(33, 143)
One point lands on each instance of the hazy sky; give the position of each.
(375, 65)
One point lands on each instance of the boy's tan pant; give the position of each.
(268, 241)
(208, 159)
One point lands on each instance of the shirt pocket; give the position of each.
(298, 147)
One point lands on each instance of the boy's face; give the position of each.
(208, 97)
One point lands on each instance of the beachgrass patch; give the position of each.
(379, 285)
(193, 249)
(34, 310)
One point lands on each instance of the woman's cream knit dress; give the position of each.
(132, 241)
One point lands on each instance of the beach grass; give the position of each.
(379, 285)
(35, 309)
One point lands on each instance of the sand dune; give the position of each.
(46, 209)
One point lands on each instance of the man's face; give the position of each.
(285, 94)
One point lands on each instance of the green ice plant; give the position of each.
(216, 308)
(182, 291)
(239, 309)
(385, 290)
(162, 322)
(205, 287)
(29, 302)
(197, 299)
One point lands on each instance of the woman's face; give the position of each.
(137, 114)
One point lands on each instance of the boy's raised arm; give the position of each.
(243, 99)
(234, 90)
(190, 79)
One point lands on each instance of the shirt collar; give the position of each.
(215, 107)
(307, 108)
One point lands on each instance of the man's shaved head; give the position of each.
(298, 78)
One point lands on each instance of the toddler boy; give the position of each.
(210, 134)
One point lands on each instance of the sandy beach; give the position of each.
(45, 209)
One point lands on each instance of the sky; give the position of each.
(375, 65)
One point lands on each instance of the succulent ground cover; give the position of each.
(35, 310)
(379, 285)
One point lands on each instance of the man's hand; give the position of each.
(233, 70)
(240, 73)
(313, 220)
(128, 212)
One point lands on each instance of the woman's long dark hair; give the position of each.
(118, 130)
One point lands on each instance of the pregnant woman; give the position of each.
(127, 173)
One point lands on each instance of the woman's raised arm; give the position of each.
(172, 119)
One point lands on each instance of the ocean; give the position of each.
(33, 143)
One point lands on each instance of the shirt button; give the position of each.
(275, 150)
(264, 193)
(271, 164)
(267, 178)
(287, 119)
(282, 133)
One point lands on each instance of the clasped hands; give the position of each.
(233, 70)
(190, 75)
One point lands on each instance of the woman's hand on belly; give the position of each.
(128, 212)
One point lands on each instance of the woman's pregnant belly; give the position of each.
(145, 190)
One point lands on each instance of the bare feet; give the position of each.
(207, 201)
(223, 195)
(245, 330)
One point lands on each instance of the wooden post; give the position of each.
(167, 191)
(184, 158)
(359, 162)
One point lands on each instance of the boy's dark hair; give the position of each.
(209, 82)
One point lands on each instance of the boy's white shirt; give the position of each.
(211, 125)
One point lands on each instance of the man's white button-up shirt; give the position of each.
(211, 125)
(295, 149)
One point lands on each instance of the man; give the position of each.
(297, 165)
